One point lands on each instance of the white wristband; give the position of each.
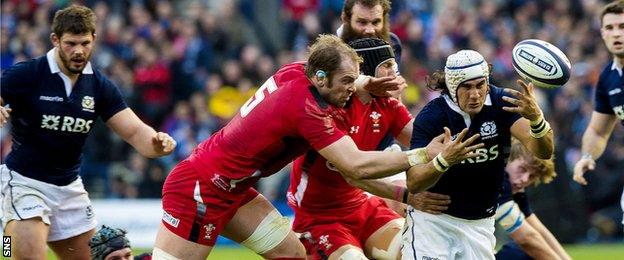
(539, 128)
(440, 164)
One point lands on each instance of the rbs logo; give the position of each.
(68, 124)
(486, 155)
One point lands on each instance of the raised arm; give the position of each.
(532, 130)
(594, 143)
(142, 137)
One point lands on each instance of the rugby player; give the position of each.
(466, 229)
(609, 97)
(210, 192)
(52, 103)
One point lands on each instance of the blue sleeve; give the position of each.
(505, 190)
(396, 47)
(111, 99)
(425, 126)
(523, 202)
(508, 118)
(602, 98)
(16, 81)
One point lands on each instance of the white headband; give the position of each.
(462, 66)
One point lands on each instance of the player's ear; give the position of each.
(55, 39)
(321, 78)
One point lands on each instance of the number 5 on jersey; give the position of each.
(269, 85)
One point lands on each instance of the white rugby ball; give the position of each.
(541, 63)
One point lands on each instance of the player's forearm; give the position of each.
(374, 165)
(533, 244)
(542, 148)
(421, 177)
(594, 143)
(142, 141)
(380, 188)
(549, 237)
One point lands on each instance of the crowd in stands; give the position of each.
(187, 66)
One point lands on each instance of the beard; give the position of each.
(349, 34)
(67, 61)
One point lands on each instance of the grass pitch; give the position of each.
(578, 252)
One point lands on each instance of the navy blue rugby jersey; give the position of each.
(519, 198)
(609, 96)
(49, 127)
(474, 184)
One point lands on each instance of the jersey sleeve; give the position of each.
(401, 115)
(509, 118)
(601, 98)
(16, 81)
(111, 98)
(523, 202)
(425, 127)
(317, 126)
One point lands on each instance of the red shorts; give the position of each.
(194, 211)
(331, 229)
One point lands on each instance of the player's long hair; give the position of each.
(616, 7)
(436, 82)
(543, 169)
(75, 19)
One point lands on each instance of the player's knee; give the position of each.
(393, 251)
(350, 254)
(159, 254)
(269, 236)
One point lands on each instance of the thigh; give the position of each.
(426, 236)
(349, 252)
(74, 216)
(382, 230)
(385, 242)
(28, 237)
(23, 198)
(170, 246)
(260, 227)
(323, 240)
(76, 247)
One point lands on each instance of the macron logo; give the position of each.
(52, 99)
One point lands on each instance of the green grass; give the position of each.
(578, 252)
(596, 252)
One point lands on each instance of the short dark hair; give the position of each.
(75, 19)
(616, 7)
(327, 53)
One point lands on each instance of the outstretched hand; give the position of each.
(524, 102)
(457, 150)
(432, 203)
(384, 86)
(163, 143)
(582, 166)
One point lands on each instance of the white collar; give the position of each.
(340, 30)
(466, 116)
(54, 67)
(616, 66)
